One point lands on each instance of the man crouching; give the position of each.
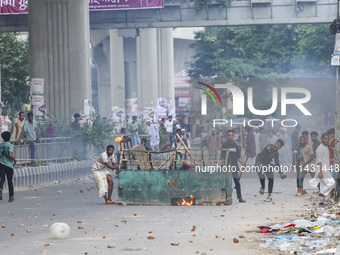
(101, 176)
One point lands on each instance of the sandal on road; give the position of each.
(242, 200)
(108, 202)
(268, 199)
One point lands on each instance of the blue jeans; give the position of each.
(135, 140)
(171, 138)
(32, 149)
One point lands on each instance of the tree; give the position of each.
(14, 72)
(262, 51)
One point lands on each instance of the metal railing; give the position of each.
(48, 149)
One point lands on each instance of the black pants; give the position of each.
(5, 170)
(236, 179)
(270, 176)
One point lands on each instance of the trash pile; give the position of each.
(315, 233)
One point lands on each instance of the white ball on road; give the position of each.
(60, 230)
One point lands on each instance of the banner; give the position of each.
(131, 106)
(21, 6)
(149, 114)
(38, 108)
(37, 86)
(118, 114)
(163, 107)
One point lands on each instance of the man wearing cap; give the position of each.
(153, 133)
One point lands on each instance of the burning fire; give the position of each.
(185, 202)
(119, 139)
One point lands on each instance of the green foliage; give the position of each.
(14, 72)
(262, 51)
(97, 134)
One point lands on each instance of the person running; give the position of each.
(323, 168)
(101, 176)
(264, 159)
(232, 163)
(306, 164)
(7, 162)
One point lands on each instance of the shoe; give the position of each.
(108, 202)
(298, 195)
(242, 200)
(268, 199)
(261, 191)
(0, 194)
(11, 199)
(229, 201)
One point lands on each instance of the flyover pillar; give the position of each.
(59, 53)
(147, 68)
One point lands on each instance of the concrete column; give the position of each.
(147, 68)
(59, 53)
(100, 53)
(117, 69)
(130, 67)
(166, 62)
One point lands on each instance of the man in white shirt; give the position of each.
(169, 128)
(324, 176)
(101, 176)
(153, 133)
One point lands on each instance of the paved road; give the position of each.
(127, 227)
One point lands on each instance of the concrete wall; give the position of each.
(24, 177)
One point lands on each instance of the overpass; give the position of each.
(132, 50)
(177, 13)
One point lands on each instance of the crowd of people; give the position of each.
(300, 150)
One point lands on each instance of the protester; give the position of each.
(204, 139)
(306, 164)
(285, 156)
(213, 145)
(251, 147)
(324, 176)
(263, 159)
(295, 138)
(32, 134)
(305, 134)
(7, 163)
(50, 131)
(133, 129)
(169, 128)
(153, 133)
(271, 137)
(75, 125)
(101, 176)
(316, 142)
(17, 127)
(232, 162)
